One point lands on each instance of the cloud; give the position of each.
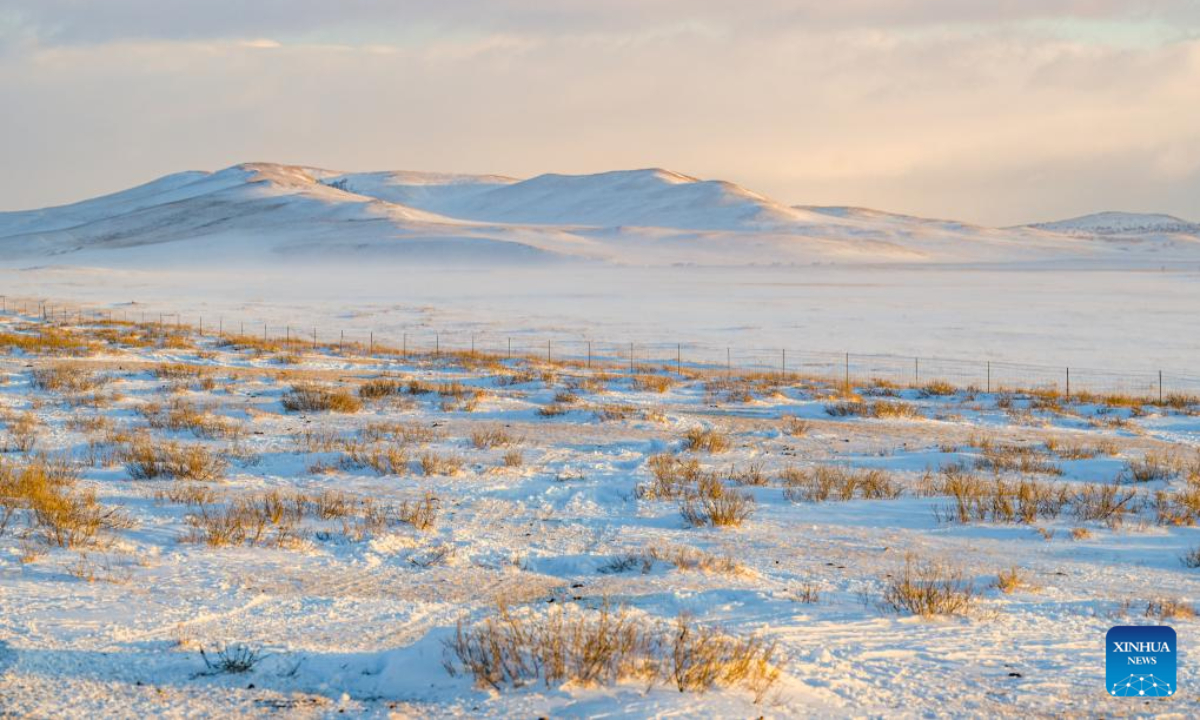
(953, 110)
(352, 21)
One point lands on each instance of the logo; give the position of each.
(1140, 661)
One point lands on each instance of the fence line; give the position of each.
(984, 375)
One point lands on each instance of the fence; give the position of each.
(985, 375)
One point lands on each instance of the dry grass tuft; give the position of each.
(148, 459)
(928, 589)
(313, 398)
(824, 483)
(605, 646)
(709, 440)
(489, 437)
(1165, 609)
(433, 463)
(712, 504)
(43, 492)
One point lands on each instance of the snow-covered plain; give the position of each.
(355, 621)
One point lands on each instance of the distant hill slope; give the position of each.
(1121, 223)
(270, 211)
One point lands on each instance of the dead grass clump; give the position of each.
(66, 378)
(1081, 451)
(1152, 466)
(390, 459)
(712, 504)
(313, 398)
(489, 437)
(433, 463)
(1165, 609)
(709, 440)
(927, 589)
(553, 410)
(456, 396)
(1178, 508)
(1109, 504)
(180, 415)
(889, 409)
(148, 460)
(826, 482)
(997, 500)
(848, 408)
(1015, 458)
(380, 388)
(187, 494)
(1191, 558)
(794, 426)
(21, 432)
(605, 646)
(513, 459)
(613, 411)
(43, 491)
(652, 383)
(404, 432)
(45, 341)
(421, 514)
(671, 476)
(179, 371)
(938, 388)
(1010, 580)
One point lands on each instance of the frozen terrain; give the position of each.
(558, 485)
(539, 394)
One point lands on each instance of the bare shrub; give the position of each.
(66, 378)
(997, 500)
(313, 398)
(927, 588)
(709, 440)
(21, 432)
(513, 459)
(553, 410)
(231, 659)
(421, 514)
(1014, 458)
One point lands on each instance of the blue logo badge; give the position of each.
(1140, 661)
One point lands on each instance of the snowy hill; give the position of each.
(269, 211)
(1121, 223)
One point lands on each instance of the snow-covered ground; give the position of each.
(354, 618)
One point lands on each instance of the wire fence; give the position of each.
(637, 357)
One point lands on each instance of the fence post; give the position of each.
(371, 347)
(404, 345)
(916, 371)
(728, 363)
(437, 345)
(201, 324)
(287, 334)
(342, 341)
(264, 332)
(547, 351)
(783, 361)
(630, 358)
(314, 339)
(847, 372)
(1160, 394)
(678, 358)
(1068, 384)
(589, 361)
(510, 348)
(989, 377)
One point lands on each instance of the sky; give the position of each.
(996, 111)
